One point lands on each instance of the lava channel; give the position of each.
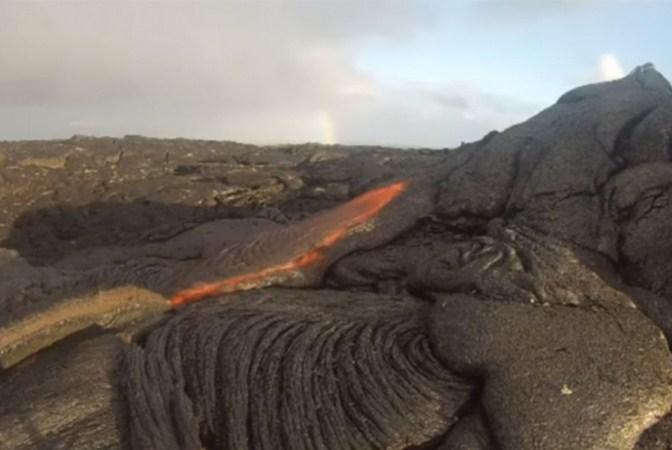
(322, 232)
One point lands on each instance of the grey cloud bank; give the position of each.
(254, 72)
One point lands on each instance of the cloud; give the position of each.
(261, 72)
(429, 115)
(609, 68)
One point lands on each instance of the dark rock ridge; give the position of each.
(516, 298)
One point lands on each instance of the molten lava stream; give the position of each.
(324, 231)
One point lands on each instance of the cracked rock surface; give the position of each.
(517, 297)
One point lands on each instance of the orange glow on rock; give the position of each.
(330, 228)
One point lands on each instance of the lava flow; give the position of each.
(322, 232)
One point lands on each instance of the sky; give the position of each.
(403, 73)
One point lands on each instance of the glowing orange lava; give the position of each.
(332, 227)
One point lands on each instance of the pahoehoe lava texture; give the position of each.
(558, 377)
(285, 370)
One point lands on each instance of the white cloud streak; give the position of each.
(609, 68)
